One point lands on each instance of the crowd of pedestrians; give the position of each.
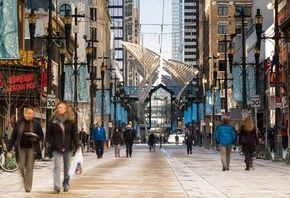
(63, 138)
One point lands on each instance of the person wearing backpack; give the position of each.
(129, 136)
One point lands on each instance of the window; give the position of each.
(221, 47)
(222, 28)
(63, 8)
(247, 8)
(93, 32)
(222, 65)
(222, 9)
(93, 14)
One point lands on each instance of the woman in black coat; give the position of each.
(62, 133)
(249, 141)
(116, 141)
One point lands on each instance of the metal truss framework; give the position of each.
(147, 63)
(182, 73)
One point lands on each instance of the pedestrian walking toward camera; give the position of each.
(176, 139)
(249, 141)
(83, 136)
(225, 136)
(151, 142)
(129, 136)
(62, 133)
(116, 141)
(26, 134)
(99, 136)
(188, 141)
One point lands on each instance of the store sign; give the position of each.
(20, 82)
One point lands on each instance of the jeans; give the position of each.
(189, 147)
(129, 148)
(225, 155)
(56, 171)
(117, 150)
(99, 148)
(26, 159)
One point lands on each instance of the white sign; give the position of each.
(255, 101)
(50, 101)
(272, 102)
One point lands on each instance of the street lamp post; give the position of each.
(76, 16)
(278, 154)
(103, 70)
(32, 25)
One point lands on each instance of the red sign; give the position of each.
(19, 80)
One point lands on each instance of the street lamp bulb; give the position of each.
(258, 18)
(32, 18)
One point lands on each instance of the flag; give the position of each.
(268, 66)
(274, 61)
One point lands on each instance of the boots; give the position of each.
(247, 164)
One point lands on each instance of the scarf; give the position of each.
(61, 118)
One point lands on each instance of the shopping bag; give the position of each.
(76, 164)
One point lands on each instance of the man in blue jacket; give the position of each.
(99, 136)
(225, 136)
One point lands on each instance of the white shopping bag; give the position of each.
(76, 164)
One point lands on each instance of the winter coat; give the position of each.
(62, 135)
(116, 138)
(99, 134)
(129, 136)
(188, 138)
(151, 139)
(251, 140)
(225, 134)
(17, 135)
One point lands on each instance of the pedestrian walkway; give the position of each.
(168, 172)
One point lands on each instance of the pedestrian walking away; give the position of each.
(116, 141)
(151, 141)
(99, 136)
(225, 136)
(129, 136)
(62, 133)
(249, 140)
(26, 135)
(188, 141)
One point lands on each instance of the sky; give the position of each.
(151, 17)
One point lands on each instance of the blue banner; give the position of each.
(9, 48)
(112, 111)
(68, 84)
(82, 84)
(217, 103)
(201, 111)
(237, 84)
(118, 112)
(189, 114)
(107, 102)
(251, 83)
(98, 102)
(194, 112)
(208, 104)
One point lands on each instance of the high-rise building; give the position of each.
(185, 30)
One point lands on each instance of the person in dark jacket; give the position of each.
(151, 141)
(225, 136)
(99, 136)
(129, 136)
(62, 133)
(116, 141)
(188, 141)
(83, 136)
(249, 140)
(26, 135)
